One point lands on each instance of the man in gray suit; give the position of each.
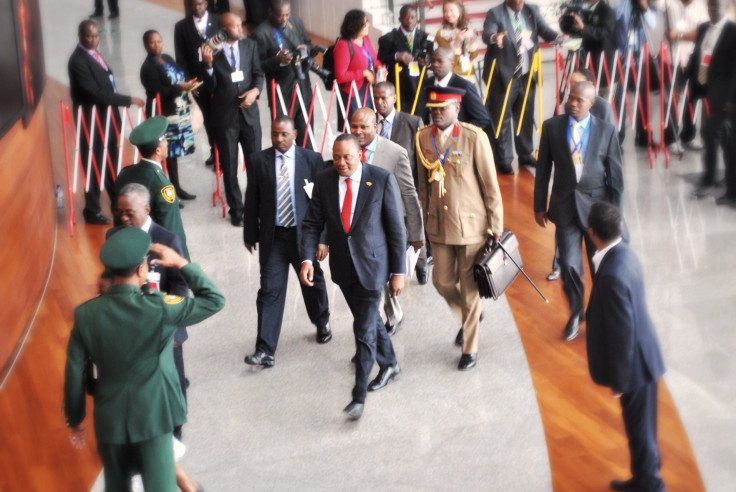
(385, 154)
(586, 157)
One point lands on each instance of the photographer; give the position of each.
(280, 39)
(595, 22)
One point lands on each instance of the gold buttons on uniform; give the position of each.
(445, 207)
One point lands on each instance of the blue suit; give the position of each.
(624, 354)
(362, 260)
(279, 247)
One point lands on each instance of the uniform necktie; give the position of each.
(517, 23)
(576, 150)
(385, 128)
(347, 205)
(285, 207)
(232, 57)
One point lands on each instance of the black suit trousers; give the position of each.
(718, 132)
(503, 146)
(639, 408)
(111, 4)
(371, 339)
(272, 294)
(227, 140)
(569, 243)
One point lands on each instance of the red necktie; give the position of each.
(347, 205)
(98, 57)
(362, 154)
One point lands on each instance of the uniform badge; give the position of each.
(169, 193)
(368, 183)
(172, 300)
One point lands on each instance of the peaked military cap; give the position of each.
(440, 97)
(125, 249)
(150, 131)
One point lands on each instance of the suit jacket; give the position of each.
(602, 178)
(260, 195)
(498, 20)
(268, 47)
(404, 132)
(155, 81)
(164, 202)
(472, 204)
(395, 42)
(376, 243)
(91, 85)
(721, 78)
(225, 102)
(128, 335)
(472, 109)
(602, 110)
(393, 158)
(187, 43)
(623, 351)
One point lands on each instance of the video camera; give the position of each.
(425, 49)
(567, 20)
(217, 40)
(307, 57)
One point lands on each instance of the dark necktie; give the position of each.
(285, 207)
(232, 57)
(517, 23)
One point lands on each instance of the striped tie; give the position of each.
(576, 149)
(385, 127)
(517, 23)
(285, 207)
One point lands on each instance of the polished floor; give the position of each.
(435, 428)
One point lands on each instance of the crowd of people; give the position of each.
(413, 173)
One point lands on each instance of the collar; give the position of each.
(405, 32)
(157, 164)
(122, 289)
(389, 118)
(512, 12)
(445, 80)
(598, 256)
(289, 154)
(146, 227)
(357, 175)
(90, 51)
(203, 20)
(373, 144)
(583, 123)
(718, 24)
(452, 130)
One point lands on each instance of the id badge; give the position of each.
(199, 53)
(237, 76)
(414, 69)
(706, 58)
(464, 63)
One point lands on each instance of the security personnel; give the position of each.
(150, 138)
(461, 199)
(129, 335)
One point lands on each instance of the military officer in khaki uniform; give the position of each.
(128, 334)
(459, 192)
(150, 138)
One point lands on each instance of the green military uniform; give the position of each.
(129, 337)
(164, 201)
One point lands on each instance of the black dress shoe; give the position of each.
(572, 328)
(210, 160)
(354, 410)
(459, 338)
(507, 169)
(385, 375)
(185, 196)
(97, 219)
(422, 274)
(236, 221)
(324, 334)
(467, 361)
(726, 200)
(260, 359)
(114, 15)
(391, 329)
(624, 484)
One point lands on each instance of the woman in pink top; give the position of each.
(355, 61)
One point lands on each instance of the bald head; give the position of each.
(233, 25)
(580, 100)
(443, 58)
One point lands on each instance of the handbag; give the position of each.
(496, 266)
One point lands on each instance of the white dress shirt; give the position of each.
(598, 256)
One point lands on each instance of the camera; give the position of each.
(307, 58)
(425, 49)
(567, 20)
(217, 40)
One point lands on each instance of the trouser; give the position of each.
(503, 146)
(111, 4)
(452, 276)
(639, 409)
(249, 138)
(272, 294)
(569, 242)
(371, 339)
(718, 131)
(153, 459)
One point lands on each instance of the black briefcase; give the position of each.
(495, 268)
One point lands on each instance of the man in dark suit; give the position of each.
(381, 152)
(276, 198)
(512, 31)
(623, 351)
(405, 46)
(401, 128)
(712, 75)
(586, 157)
(596, 25)
(360, 208)
(92, 85)
(133, 209)
(190, 34)
(236, 77)
(279, 39)
(471, 110)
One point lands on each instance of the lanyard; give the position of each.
(447, 151)
(368, 55)
(279, 38)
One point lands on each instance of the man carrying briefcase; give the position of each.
(461, 201)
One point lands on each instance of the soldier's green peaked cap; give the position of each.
(150, 131)
(125, 249)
